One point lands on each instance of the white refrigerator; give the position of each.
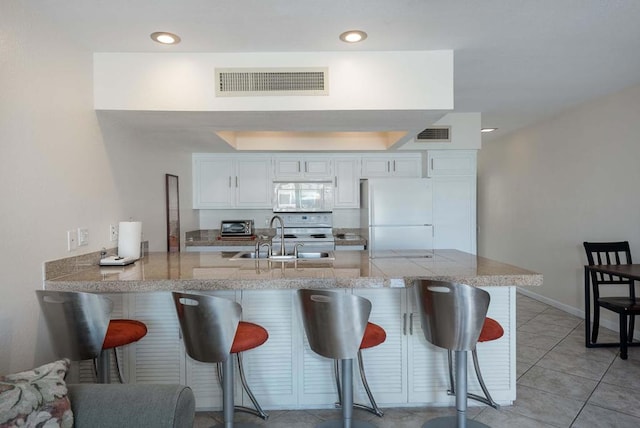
(396, 216)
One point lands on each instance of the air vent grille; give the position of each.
(237, 82)
(439, 134)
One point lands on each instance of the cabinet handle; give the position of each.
(404, 324)
(411, 324)
(394, 166)
(229, 181)
(306, 167)
(431, 164)
(299, 167)
(236, 181)
(336, 180)
(388, 166)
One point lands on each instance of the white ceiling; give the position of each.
(516, 61)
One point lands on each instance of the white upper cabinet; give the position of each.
(451, 162)
(346, 182)
(222, 181)
(308, 166)
(395, 165)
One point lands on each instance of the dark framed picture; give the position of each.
(173, 213)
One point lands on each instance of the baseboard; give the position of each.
(611, 325)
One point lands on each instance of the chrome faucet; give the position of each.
(282, 251)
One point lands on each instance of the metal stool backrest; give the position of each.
(77, 322)
(451, 314)
(334, 322)
(208, 325)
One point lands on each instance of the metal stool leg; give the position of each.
(374, 406)
(119, 370)
(460, 420)
(258, 411)
(104, 367)
(487, 399)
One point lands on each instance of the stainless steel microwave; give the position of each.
(302, 196)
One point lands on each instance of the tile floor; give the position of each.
(560, 383)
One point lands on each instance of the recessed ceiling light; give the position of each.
(353, 36)
(488, 129)
(165, 38)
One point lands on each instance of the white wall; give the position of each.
(544, 190)
(58, 173)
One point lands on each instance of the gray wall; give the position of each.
(544, 190)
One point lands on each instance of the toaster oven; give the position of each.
(236, 228)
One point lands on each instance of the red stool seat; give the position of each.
(491, 330)
(373, 336)
(123, 332)
(248, 336)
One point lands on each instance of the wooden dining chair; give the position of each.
(627, 306)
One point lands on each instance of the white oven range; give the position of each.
(313, 230)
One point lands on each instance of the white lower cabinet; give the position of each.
(285, 374)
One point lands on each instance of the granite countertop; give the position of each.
(350, 269)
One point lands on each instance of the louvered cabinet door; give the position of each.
(270, 369)
(159, 356)
(385, 364)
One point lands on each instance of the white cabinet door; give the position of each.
(159, 357)
(451, 162)
(253, 183)
(298, 166)
(271, 368)
(212, 183)
(221, 181)
(395, 165)
(454, 213)
(347, 183)
(385, 364)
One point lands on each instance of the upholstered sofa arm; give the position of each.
(132, 405)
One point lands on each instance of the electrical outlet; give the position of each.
(83, 236)
(113, 232)
(72, 240)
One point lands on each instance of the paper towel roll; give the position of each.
(129, 239)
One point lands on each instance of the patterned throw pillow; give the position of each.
(36, 398)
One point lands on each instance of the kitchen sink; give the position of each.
(322, 255)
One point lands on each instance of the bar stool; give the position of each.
(335, 325)
(491, 330)
(80, 327)
(452, 316)
(374, 335)
(212, 331)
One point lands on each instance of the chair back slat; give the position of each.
(608, 253)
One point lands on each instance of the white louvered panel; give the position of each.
(497, 358)
(203, 380)
(270, 368)
(158, 357)
(385, 364)
(428, 375)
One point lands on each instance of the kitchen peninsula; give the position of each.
(284, 373)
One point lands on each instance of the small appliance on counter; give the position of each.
(129, 240)
(236, 229)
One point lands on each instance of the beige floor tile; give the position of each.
(556, 382)
(598, 417)
(545, 407)
(620, 399)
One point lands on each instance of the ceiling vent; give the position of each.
(242, 82)
(438, 134)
